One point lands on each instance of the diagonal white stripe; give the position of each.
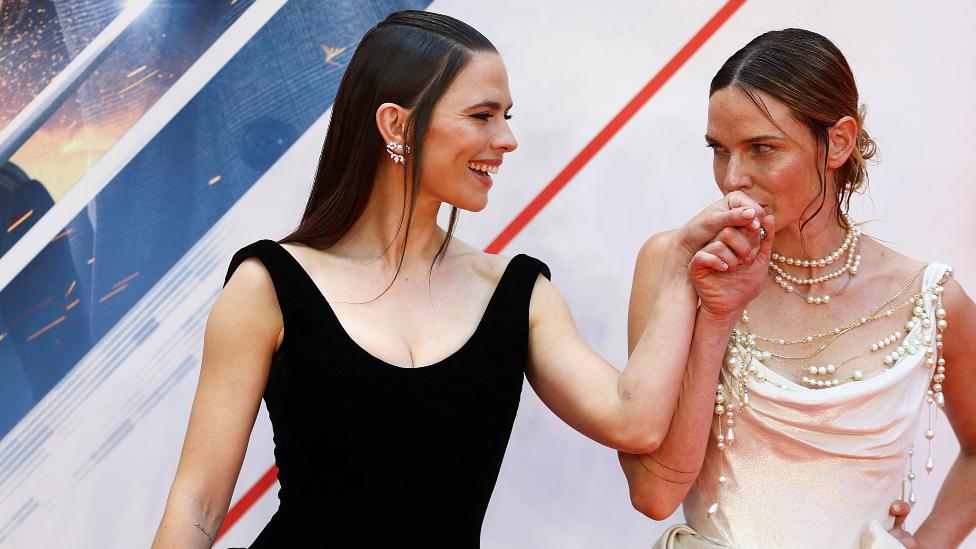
(151, 123)
(31, 117)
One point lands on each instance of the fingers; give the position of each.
(735, 210)
(900, 510)
(724, 253)
(744, 243)
(703, 262)
(739, 199)
(737, 217)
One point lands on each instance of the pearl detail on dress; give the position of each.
(750, 361)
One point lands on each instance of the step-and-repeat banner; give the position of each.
(143, 142)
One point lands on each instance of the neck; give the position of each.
(821, 236)
(380, 233)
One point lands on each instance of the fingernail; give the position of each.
(748, 212)
(755, 224)
(725, 266)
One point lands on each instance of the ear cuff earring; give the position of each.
(397, 150)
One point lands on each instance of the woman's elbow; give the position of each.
(653, 505)
(640, 440)
(639, 445)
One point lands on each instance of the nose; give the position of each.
(505, 139)
(736, 175)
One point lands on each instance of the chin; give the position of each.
(474, 206)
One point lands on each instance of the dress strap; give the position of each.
(288, 282)
(510, 304)
(524, 272)
(936, 274)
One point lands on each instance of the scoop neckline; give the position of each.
(451, 357)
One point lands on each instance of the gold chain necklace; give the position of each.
(742, 350)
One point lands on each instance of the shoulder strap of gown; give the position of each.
(514, 292)
(280, 265)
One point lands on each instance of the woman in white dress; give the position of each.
(848, 346)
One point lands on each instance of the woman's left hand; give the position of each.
(730, 271)
(900, 510)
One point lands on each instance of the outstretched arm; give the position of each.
(628, 410)
(660, 480)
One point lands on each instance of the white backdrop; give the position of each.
(572, 65)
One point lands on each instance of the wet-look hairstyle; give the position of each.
(807, 73)
(410, 59)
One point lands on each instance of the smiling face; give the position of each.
(468, 135)
(776, 166)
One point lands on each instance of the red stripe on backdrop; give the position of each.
(611, 129)
(263, 484)
(543, 198)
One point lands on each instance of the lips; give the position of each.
(482, 170)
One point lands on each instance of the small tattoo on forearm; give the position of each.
(206, 533)
(625, 395)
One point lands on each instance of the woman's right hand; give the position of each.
(735, 209)
(729, 271)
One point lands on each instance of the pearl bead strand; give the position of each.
(829, 258)
(745, 359)
(853, 263)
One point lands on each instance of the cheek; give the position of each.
(793, 182)
(456, 139)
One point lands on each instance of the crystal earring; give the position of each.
(397, 151)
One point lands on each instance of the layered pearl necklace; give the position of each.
(746, 359)
(919, 316)
(788, 282)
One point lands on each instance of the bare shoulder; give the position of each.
(546, 301)
(657, 245)
(303, 254)
(487, 267)
(654, 250)
(249, 296)
(897, 266)
(887, 255)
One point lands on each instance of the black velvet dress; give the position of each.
(374, 455)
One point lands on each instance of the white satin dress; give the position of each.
(813, 468)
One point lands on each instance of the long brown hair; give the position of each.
(810, 75)
(410, 58)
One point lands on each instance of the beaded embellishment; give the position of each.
(744, 353)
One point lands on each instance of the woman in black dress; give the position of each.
(390, 354)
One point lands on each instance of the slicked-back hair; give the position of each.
(809, 74)
(410, 59)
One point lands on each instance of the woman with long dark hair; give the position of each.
(389, 353)
(848, 346)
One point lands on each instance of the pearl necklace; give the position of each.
(743, 356)
(919, 316)
(838, 331)
(787, 281)
(853, 263)
(829, 258)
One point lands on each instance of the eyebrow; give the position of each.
(712, 141)
(491, 105)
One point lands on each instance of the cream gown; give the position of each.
(815, 468)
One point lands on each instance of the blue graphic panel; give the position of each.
(172, 192)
